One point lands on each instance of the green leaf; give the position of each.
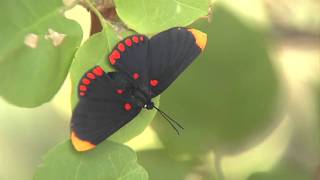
(151, 16)
(93, 52)
(33, 65)
(108, 161)
(227, 97)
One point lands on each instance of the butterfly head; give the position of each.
(149, 105)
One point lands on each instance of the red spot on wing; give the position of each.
(91, 76)
(83, 88)
(86, 81)
(128, 42)
(112, 61)
(121, 47)
(82, 93)
(136, 75)
(141, 38)
(154, 82)
(135, 39)
(98, 71)
(127, 106)
(115, 55)
(120, 91)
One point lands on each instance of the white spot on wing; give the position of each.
(55, 37)
(31, 40)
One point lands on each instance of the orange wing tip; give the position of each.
(201, 38)
(81, 145)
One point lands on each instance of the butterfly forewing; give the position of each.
(130, 56)
(170, 53)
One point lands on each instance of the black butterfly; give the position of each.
(145, 68)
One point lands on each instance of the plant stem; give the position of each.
(103, 21)
(217, 163)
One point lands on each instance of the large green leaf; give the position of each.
(93, 52)
(228, 96)
(151, 16)
(33, 64)
(109, 161)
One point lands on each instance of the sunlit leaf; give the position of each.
(151, 16)
(109, 161)
(36, 49)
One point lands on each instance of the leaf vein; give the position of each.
(189, 6)
(78, 168)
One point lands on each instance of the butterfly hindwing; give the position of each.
(170, 53)
(104, 107)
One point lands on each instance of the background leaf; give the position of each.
(32, 68)
(227, 97)
(153, 16)
(108, 161)
(284, 170)
(173, 169)
(161, 166)
(93, 52)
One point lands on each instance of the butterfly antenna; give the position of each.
(170, 120)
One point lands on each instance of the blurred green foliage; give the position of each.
(160, 166)
(285, 170)
(25, 135)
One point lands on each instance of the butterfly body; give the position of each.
(140, 95)
(145, 68)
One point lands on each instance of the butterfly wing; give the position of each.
(104, 106)
(170, 53)
(130, 56)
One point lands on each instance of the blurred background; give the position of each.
(250, 103)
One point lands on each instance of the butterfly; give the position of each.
(145, 68)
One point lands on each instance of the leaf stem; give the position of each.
(217, 162)
(103, 21)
